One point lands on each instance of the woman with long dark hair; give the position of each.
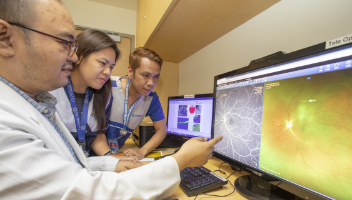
(84, 104)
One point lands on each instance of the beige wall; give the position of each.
(287, 26)
(100, 16)
(149, 13)
(168, 84)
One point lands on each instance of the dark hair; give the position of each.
(90, 41)
(141, 52)
(19, 11)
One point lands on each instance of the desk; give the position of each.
(213, 164)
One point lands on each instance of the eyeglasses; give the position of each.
(73, 44)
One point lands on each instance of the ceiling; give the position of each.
(125, 4)
(190, 25)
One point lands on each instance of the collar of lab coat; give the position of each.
(40, 126)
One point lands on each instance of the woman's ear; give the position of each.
(79, 61)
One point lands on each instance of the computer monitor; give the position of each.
(190, 116)
(288, 120)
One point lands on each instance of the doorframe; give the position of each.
(132, 37)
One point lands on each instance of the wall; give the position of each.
(287, 26)
(101, 16)
(149, 13)
(168, 84)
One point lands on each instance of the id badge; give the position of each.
(82, 145)
(113, 144)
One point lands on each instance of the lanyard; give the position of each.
(80, 123)
(127, 112)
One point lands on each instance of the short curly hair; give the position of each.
(141, 52)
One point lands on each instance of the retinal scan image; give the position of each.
(297, 113)
(182, 110)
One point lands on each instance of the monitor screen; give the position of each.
(291, 120)
(190, 117)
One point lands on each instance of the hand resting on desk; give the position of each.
(139, 153)
(126, 158)
(195, 152)
(126, 165)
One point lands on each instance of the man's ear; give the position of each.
(6, 34)
(130, 72)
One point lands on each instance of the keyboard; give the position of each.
(196, 180)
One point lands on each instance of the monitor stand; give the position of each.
(253, 187)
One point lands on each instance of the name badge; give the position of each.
(114, 146)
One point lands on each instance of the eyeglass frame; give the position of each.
(73, 44)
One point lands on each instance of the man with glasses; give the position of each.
(39, 159)
(71, 44)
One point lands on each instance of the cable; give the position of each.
(220, 169)
(234, 189)
(231, 174)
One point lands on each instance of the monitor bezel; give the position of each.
(181, 138)
(305, 53)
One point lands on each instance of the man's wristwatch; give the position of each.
(109, 153)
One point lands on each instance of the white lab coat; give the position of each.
(36, 164)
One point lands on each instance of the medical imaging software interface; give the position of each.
(294, 124)
(190, 117)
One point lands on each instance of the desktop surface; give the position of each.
(213, 164)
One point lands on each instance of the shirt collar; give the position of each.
(43, 100)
